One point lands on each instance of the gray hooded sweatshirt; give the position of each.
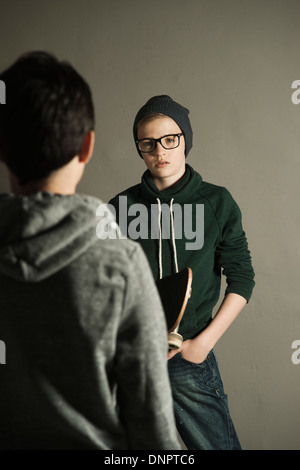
(84, 333)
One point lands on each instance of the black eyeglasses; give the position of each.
(168, 142)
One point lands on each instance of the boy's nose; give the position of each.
(159, 150)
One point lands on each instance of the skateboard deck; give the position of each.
(174, 291)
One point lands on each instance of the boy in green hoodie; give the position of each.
(206, 234)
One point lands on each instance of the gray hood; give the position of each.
(43, 232)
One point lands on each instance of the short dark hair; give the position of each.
(48, 112)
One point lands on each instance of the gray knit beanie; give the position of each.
(165, 105)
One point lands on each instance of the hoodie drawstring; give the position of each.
(160, 237)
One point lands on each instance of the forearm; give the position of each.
(196, 350)
(230, 308)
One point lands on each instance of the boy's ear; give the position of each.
(87, 148)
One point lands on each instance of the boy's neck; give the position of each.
(62, 181)
(42, 185)
(163, 184)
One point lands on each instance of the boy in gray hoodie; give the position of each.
(83, 368)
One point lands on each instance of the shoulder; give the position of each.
(211, 189)
(222, 204)
(132, 193)
(210, 192)
(128, 197)
(216, 195)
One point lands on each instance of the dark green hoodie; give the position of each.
(210, 212)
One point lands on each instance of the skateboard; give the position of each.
(174, 291)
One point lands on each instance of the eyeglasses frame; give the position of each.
(159, 140)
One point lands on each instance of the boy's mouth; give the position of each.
(161, 164)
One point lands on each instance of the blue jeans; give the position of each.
(201, 408)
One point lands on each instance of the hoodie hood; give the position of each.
(43, 232)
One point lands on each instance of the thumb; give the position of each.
(172, 352)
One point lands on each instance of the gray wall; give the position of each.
(232, 63)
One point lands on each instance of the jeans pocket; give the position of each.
(207, 373)
(201, 374)
(197, 364)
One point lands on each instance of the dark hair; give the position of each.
(48, 112)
